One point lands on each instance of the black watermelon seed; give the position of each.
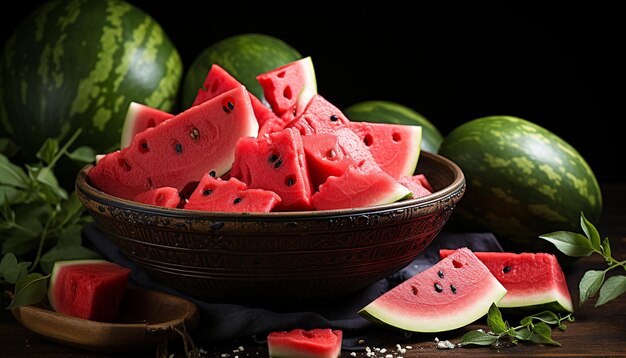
(290, 181)
(440, 273)
(237, 201)
(207, 192)
(178, 147)
(278, 164)
(334, 118)
(226, 109)
(212, 173)
(506, 269)
(144, 145)
(272, 158)
(438, 287)
(231, 106)
(453, 289)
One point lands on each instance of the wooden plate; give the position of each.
(148, 319)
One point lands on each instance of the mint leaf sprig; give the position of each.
(535, 329)
(578, 245)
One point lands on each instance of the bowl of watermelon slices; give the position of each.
(232, 201)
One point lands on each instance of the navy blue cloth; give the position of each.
(222, 322)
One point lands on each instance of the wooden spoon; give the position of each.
(147, 319)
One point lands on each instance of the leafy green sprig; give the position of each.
(40, 223)
(577, 245)
(535, 328)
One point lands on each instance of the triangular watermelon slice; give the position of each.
(178, 152)
(232, 195)
(534, 282)
(284, 85)
(453, 293)
(140, 117)
(218, 81)
(165, 197)
(324, 157)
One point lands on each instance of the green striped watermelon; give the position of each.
(78, 64)
(394, 113)
(243, 56)
(522, 181)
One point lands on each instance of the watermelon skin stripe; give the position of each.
(81, 67)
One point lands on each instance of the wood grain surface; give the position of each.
(596, 332)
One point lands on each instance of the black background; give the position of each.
(561, 68)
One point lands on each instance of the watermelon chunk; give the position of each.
(415, 184)
(232, 195)
(218, 81)
(359, 187)
(283, 85)
(534, 281)
(165, 196)
(89, 289)
(453, 293)
(324, 157)
(299, 343)
(140, 117)
(395, 147)
(194, 142)
(275, 162)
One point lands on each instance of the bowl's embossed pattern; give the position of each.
(305, 255)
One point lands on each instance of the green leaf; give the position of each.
(495, 321)
(542, 333)
(545, 316)
(523, 333)
(19, 243)
(569, 243)
(71, 211)
(590, 284)
(8, 147)
(9, 193)
(478, 338)
(591, 232)
(48, 150)
(9, 268)
(11, 174)
(83, 154)
(613, 287)
(29, 290)
(606, 247)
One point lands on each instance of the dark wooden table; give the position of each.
(596, 332)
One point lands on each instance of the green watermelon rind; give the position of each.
(73, 65)
(522, 181)
(551, 301)
(475, 309)
(129, 128)
(395, 113)
(56, 270)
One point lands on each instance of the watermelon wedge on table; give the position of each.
(299, 343)
(453, 293)
(534, 282)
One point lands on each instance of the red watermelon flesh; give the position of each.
(218, 81)
(194, 142)
(89, 289)
(395, 147)
(215, 194)
(324, 157)
(275, 162)
(414, 184)
(424, 181)
(165, 196)
(357, 187)
(314, 343)
(283, 85)
(453, 293)
(534, 281)
(140, 117)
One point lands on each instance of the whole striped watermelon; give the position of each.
(395, 113)
(78, 64)
(522, 181)
(243, 56)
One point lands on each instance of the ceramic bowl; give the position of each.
(312, 255)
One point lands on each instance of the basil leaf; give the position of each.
(11, 174)
(19, 243)
(495, 321)
(9, 268)
(478, 338)
(606, 247)
(83, 154)
(523, 333)
(29, 290)
(569, 243)
(591, 232)
(545, 316)
(48, 150)
(590, 284)
(612, 288)
(542, 333)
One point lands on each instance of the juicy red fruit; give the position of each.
(315, 343)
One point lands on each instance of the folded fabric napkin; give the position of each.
(223, 322)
